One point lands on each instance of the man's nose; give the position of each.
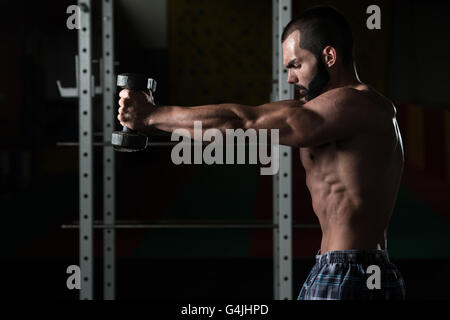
(291, 78)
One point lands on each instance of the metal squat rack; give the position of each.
(85, 90)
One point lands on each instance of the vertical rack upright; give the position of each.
(86, 91)
(282, 181)
(108, 76)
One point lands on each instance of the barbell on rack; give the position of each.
(177, 224)
(151, 144)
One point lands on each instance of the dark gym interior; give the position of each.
(205, 52)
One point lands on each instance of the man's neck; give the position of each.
(343, 78)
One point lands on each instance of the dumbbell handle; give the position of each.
(126, 81)
(129, 140)
(126, 129)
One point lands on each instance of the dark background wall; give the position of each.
(419, 69)
(205, 52)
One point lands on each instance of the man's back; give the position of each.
(354, 181)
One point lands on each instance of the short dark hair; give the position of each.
(322, 26)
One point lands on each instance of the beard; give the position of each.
(318, 82)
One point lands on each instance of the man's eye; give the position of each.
(297, 66)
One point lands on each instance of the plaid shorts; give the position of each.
(344, 275)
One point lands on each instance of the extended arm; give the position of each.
(328, 117)
(229, 116)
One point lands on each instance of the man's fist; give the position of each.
(135, 108)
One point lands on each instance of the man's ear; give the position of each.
(330, 56)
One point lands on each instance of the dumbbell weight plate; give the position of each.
(128, 142)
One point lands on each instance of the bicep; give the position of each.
(277, 116)
(298, 125)
(332, 116)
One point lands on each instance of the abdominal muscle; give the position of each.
(353, 200)
(346, 221)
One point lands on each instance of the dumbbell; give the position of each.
(129, 140)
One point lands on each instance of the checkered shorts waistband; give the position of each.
(365, 257)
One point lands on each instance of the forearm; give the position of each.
(221, 116)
